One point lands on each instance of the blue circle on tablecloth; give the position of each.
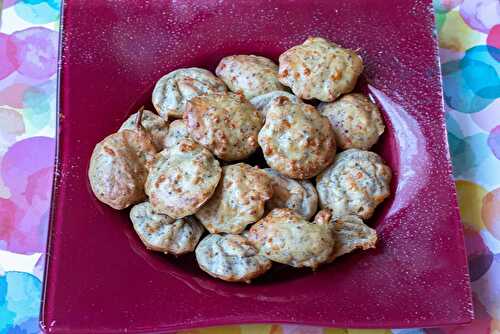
(468, 152)
(487, 54)
(481, 71)
(37, 105)
(457, 93)
(56, 4)
(30, 326)
(20, 295)
(472, 83)
(38, 11)
(452, 126)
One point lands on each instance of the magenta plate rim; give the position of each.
(99, 277)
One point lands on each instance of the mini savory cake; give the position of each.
(298, 195)
(182, 178)
(119, 167)
(238, 200)
(351, 233)
(207, 134)
(286, 237)
(164, 234)
(319, 69)
(296, 140)
(355, 184)
(262, 102)
(248, 74)
(152, 124)
(174, 89)
(177, 131)
(231, 258)
(355, 120)
(226, 124)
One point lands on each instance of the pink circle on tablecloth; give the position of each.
(25, 158)
(23, 230)
(13, 95)
(8, 3)
(490, 212)
(9, 213)
(37, 52)
(26, 170)
(493, 38)
(26, 213)
(9, 62)
(446, 5)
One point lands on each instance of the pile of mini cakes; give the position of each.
(187, 169)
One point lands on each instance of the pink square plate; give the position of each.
(100, 278)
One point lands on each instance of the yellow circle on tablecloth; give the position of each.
(470, 197)
(261, 329)
(334, 331)
(276, 329)
(369, 331)
(243, 329)
(490, 212)
(215, 330)
(456, 35)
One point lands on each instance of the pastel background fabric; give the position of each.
(469, 40)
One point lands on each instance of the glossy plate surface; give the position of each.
(100, 278)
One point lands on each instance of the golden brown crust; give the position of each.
(298, 195)
(231, 258)
(249, 74)
(161, 233)
(119, 167)
(261, 102)
(182, 179)
(286, 237)
(174, 89)
(356, 121)
(323, 217)
(238, 200)
(152, 124)
(319, 69)
(355, 184)
(296, 140)
(351, 233)
(177, 131)
(226, 124)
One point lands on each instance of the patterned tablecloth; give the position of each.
(469, 39)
